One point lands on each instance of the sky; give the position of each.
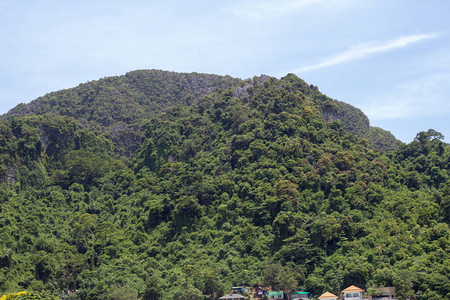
(390, 58)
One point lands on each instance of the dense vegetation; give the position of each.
(251, 182)
(117, 106)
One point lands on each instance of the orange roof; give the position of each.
(328, 295)
(352, 288)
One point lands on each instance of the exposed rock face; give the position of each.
(127, 137)
(353, 119)
(11, 175)
(118, 105)
(44, 138)
(242, 91)
(356, 122)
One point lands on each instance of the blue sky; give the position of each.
(389, 58)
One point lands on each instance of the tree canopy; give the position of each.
(249, 182)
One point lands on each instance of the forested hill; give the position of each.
(128, 98)
(118, 105)
(256, 182)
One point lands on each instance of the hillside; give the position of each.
(118, 105)
(260, 181)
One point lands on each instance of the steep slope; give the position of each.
(251, 185)
(354, 121)
(127, 99)
(118, 105)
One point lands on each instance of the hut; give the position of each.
(259, 291)
(328, 296)
(384, 293)
(299, 295)
(239, 289)
(232, 297)
(353, 293)
(276, 295)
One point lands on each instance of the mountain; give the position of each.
(118, 105)
(193, 183)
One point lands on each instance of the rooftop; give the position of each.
(232, 296)
(328, 295)
(352, 288)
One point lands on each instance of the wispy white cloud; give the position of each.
(366, 49)
(422, 97)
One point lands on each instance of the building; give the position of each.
(353, 293)
(239, 289)
(385, 293)
(259, 291)
(328, 296)
(232, 297)
(276, 295)
(299, 295)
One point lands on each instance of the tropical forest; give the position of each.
(164, 185)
